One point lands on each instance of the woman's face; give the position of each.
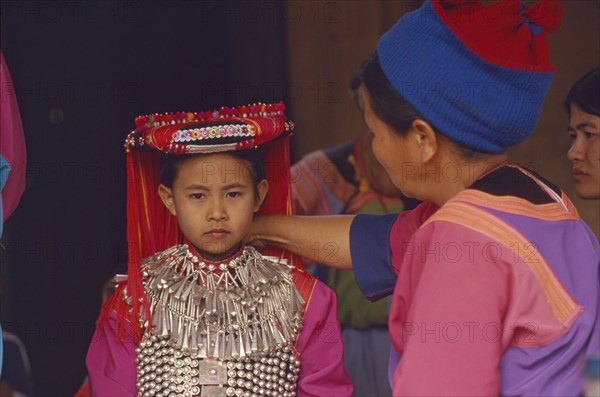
(584, 131)
(392, 150)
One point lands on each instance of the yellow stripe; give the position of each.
(518, 206)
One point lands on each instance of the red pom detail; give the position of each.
(501, 33)
(456, 3)
(547, 14)
(140, 121)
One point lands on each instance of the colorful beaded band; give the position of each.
(206, 132)
(221, 131)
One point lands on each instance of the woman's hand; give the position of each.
(323, 239)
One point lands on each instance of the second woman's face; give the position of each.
(584, 131)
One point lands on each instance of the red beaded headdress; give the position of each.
(150, 226)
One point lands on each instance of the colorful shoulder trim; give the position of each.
(517, 190)
(565, 308)
(518, 206)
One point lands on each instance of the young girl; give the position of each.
(205, 314)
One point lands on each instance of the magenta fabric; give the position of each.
(435, 306)
(112, 370)
(321, 350)
(111, 363)
(12, 142)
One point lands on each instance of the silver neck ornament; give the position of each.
(246, 307)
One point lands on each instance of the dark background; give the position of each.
(81, 72)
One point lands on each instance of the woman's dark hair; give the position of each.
(386, 102)
(169, 165)
(355, 85)
(585, 93)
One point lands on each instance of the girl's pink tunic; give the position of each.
(112, 369)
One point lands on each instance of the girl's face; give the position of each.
(584, 131)
(214, 199)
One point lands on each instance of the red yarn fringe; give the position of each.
(151, 228)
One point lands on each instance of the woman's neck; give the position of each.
(459, 174)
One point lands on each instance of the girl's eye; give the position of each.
(197, 196)
(234, 194)
(589, 135)
(572, 136)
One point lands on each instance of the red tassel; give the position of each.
(279, 199)
(547, 14)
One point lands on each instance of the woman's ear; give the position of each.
(166, 195)
(261, 193)
(425, 138)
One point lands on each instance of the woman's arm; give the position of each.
(323, 239)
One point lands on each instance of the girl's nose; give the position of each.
(217, 211)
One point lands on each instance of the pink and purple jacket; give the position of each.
(495, 293)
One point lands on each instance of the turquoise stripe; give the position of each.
(4, 171)
(0, 340)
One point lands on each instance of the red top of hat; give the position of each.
(506, 33)
(225, 129)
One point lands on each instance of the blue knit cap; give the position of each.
(478, 74)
